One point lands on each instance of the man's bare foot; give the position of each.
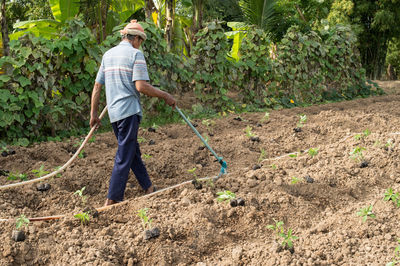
(150, 190)
(110, 202)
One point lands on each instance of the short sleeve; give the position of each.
(140, 68)
(100, 74)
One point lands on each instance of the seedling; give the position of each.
(225, 196)
(147, 156)
(287, 238)
(82, 153)
(357, 154)
(313, 152)
(59, 174)
(293, 155)
(248, 130)
(4, 150)
(21, 221)
(141, 140)
(263, 155)
(273, 166)
(302, 120)
(363, 135)
(265, 117)
(155, 126)
(80, 194)
(295, 180)
(83, 217)
(396, 259)
(16, 176)
(208, 123)
(146, 222)
(366, 212)
(40, 172)
(390, 195)
(92, 139)
(389, 144)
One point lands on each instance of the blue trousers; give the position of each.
(128, 157)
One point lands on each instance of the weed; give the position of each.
(83, 217)
(80, 194)
(208, 123)
(141, 140)
(313, 152)
(302, 120)
(146, 222)
(155, 126)
(4, 149)
(366, 212)
(390, 195)
(92, 139)
(293, 155)
(16, 176)
(287, 238)
(21, 221)
(295, 180)
(273, 166)
(389, 144)
(225, 196)
(40, 172)
(357, 154)
(263, 155)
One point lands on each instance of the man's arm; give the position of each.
(94, 117)
(143, 87)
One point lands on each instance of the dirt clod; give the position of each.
(233, 203)
(152, 233)
(151, 129)
(364, 164)
(255, 139)
(152, 142)
(4, 154)
(43, 187)
(240, 202)
(18, 235)
(309, 179)
(297, 129)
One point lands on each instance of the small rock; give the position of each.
(151, 129)
(364, 164)
(259, 125)
(43, 187)
(4, 153)
(152, 142)
(255, 139)
(309, 179)
(257, 166)
(388, 236)
(18, 235)
(155, 232)
(147, 234)
(297, 129)
(240, 202)
(252, 183)
(233, 202)
(11, 152)
(237, 253)
(185, 201)
(238, 118)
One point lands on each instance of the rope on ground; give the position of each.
(64, 166)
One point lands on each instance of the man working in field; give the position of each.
(123, 71)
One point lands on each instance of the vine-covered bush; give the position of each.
(47, 84)
(313, 66)
(255, 67)
(211, 67)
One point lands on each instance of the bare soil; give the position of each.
(196, 229)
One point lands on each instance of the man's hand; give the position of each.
(95, 121)
(170, 100)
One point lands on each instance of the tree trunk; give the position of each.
(169, 25)
(149, 9)
(197, 15)
(4, 29)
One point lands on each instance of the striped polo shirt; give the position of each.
(120, 67)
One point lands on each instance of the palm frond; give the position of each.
(258, 12)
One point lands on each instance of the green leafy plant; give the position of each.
(265, 118)
(208, 123)
(80, 194)
(92, 139)
(249, 132)
(363, 135)
(295, 180)
(357, 154)
(286, 238)
(4, 149)
(141, 140)
(225, 196)
(40, 172)
(263, 155)
(83, 217)
(17, 176)
(390, 195)
(366, 213)
(21, 221)
(273, 166)
(147, 156)
(146, 222)
(396, 259)
(193, 172)
(302, 120)
(389, 144)
(293, 155)
(313, 152)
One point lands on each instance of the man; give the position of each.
(123, 71)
